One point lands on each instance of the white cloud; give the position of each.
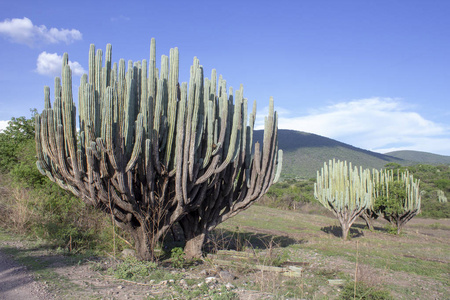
(51, 64)
(3, 125)
(377, 124)
(22, 31)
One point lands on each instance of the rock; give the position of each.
(336, 281)
(120, 287)
(210, 280)
(183, 283)
(229, 286)
(226, 276)
(128, 253)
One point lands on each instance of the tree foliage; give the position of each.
(32, 204)
(12, 139)
(396, 196)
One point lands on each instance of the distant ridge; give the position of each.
(421, 157)
(305, 153)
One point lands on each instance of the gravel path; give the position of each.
(16, 283)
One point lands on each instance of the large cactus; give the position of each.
(397, 196)
(344, 191)
(151, 151)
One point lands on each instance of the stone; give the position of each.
(128, 253)
(183, 283)
(229, 286)
(210, 280)
(226, 275)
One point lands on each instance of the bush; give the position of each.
(443, 184)
(289, 194)
(32, 204)
(177, 257)
(435, 209)
(19, 132)
(133, 269)
(363, 292)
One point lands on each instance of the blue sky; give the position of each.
(373, 73)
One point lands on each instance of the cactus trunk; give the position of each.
(195, 234)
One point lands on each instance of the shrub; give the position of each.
(289, 194)
(32, 204)
(177, 257)
(132, 269)
(363, 292)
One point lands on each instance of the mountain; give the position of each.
(305, 153)
(421, 157)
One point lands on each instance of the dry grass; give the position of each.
(15, 207)
(412, 265)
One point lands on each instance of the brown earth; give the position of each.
(71, 277)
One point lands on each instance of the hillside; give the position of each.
(305, 153)
(421, 157)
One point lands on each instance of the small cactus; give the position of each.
(344, 190)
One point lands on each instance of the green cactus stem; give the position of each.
(151, 151)
(344, 190)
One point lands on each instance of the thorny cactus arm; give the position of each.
(151, 151)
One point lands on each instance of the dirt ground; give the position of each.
(16, 282)
(64, 277)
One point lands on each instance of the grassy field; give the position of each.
(414, 265)
(263, 253)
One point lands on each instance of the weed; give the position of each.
(273, 256)
(132, 269)
(97, 266)
(390, 229)
(204, 291)
(177, 257)
(439, 226)
(363, 291)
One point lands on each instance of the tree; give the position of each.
(152, 152)
(397, 197)
(12, 138)
(344, 191)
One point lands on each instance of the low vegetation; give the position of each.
(291, 194)
(289, 230)
(33, 205)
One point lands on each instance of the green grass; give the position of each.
(268, 218)
(297, 237)
(408, 253)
